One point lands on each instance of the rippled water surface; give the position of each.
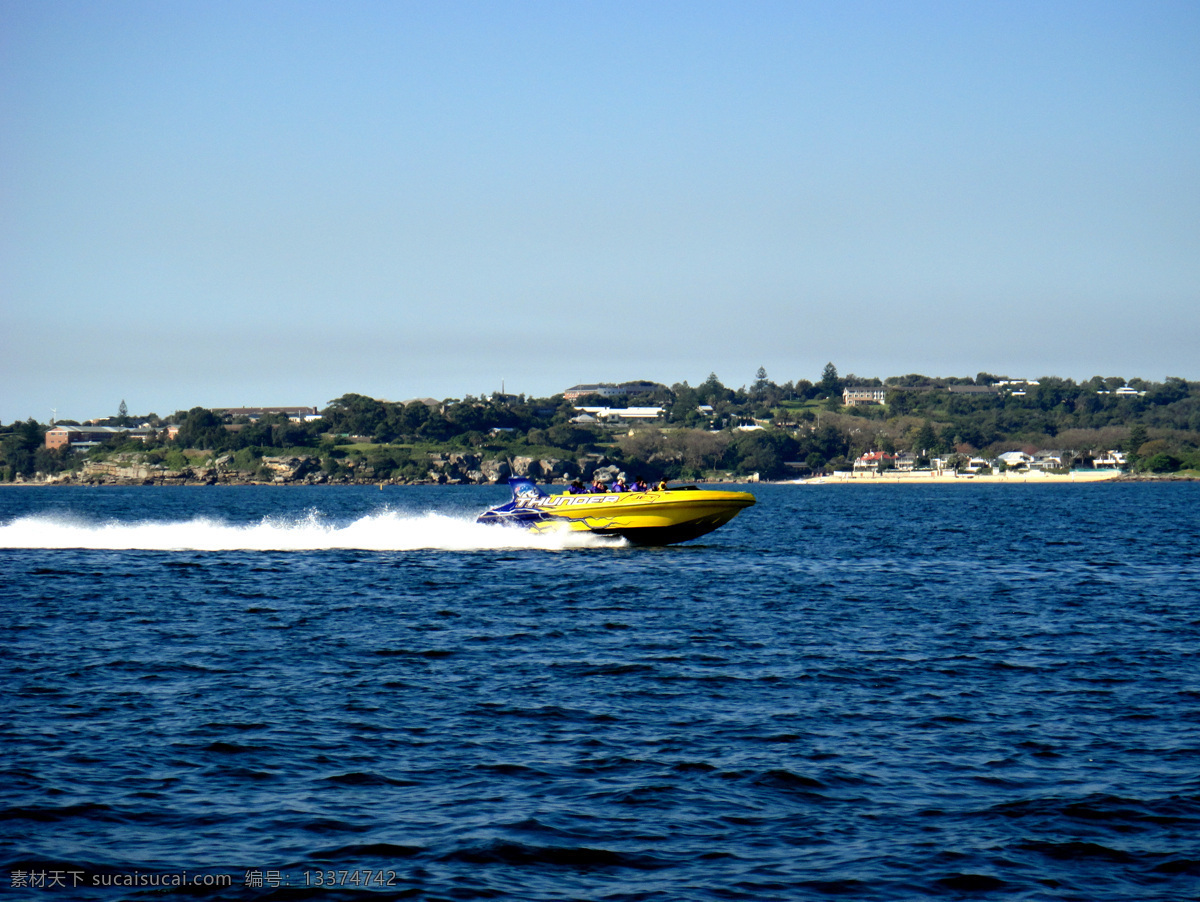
(869, 692)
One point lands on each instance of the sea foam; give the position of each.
(380, 531)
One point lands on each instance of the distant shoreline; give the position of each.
(1076, 477)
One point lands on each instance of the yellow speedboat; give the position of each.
(659, 517)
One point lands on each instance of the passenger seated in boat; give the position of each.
(598, 488)
(576, 488)
(662, 486)
(618, 485)
(639, 485)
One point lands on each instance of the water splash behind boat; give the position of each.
(385, 530)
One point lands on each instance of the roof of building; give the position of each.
(107, 430)
(623, 412)
(262, 411)
(638, 386)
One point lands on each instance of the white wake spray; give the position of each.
(381, 531)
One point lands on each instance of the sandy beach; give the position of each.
(935, 477)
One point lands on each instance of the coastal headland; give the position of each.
(910, 428)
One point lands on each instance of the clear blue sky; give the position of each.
(229, 203)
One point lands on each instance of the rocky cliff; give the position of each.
(446, 468)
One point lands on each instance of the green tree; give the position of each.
(830, 384)
(413, 417)
(711, 391)
(354, 414)
(701, 450)
(1162, 462)
(925, 440)
(436, 428)
(52, 460)
(1172, 390)
(200, 428)
(1137, 438)
(899, 402)
(763, 452)
(684, 411)
(19, 447)
(570, 436)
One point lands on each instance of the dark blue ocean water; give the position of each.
(867, 692)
